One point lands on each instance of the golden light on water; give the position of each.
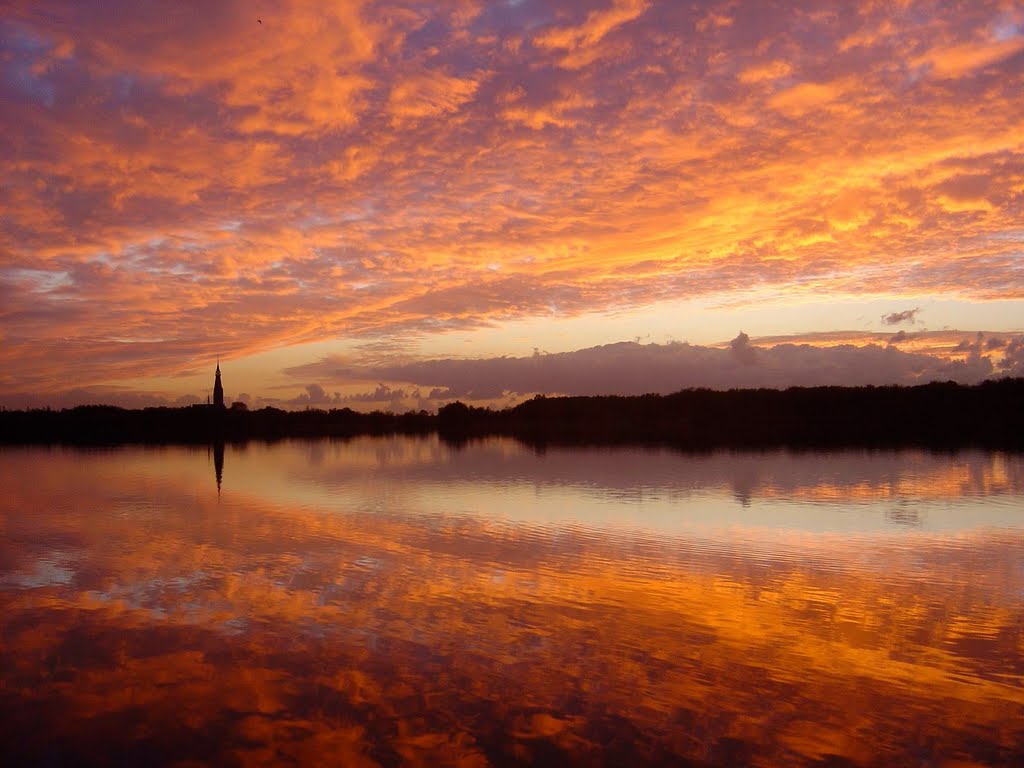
(292, 630)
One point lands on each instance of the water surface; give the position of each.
(401, 601)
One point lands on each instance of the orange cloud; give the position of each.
(217, 185)
(597, 24)
(430, 95)
(771, 71)
(803, 98)
(958, 60)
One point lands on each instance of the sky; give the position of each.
(396, 204)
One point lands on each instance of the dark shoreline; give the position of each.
(942, 416)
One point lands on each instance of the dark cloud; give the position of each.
(630, 368)
(1013, 358)
(974, 347)
(906, 316)
(123, 398)
(383, 396)
(314, 395)
(743, 350)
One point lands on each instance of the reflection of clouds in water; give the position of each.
(562, 653)
(746, 482)
(48, 571)
(291, 628)
(631, 468)
(904, 514)
(650, 488)
(183, 593)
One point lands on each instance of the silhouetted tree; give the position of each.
(938, 415)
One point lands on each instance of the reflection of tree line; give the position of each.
(939, 415)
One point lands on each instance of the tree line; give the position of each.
(938, 415)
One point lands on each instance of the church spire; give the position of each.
(218, 388)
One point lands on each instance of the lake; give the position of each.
(404, 601)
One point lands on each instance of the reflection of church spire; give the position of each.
(218, 389)
(218, 463)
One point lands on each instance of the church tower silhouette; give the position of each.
(218, 389)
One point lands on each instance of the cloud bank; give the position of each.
(630, 368)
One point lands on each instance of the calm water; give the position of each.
(400, 601)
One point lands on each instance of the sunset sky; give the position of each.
(396, 204)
